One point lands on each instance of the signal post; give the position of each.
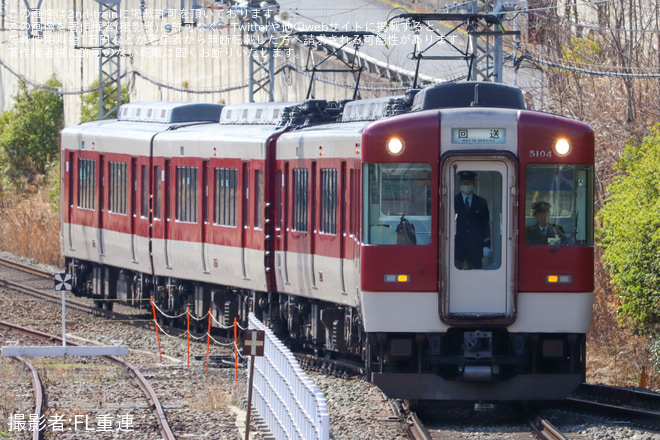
(253, 346)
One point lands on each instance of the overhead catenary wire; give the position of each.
(608, 73)
(597, 70)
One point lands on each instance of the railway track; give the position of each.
(511, 420)
(141, 381)
(617, 401)
(351, 398)
(38, 392)
(592, 408)
(39, 284)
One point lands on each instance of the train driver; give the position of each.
(543, 232)
(472, 240)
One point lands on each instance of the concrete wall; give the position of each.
(161, 58)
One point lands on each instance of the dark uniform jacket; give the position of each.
(534, 235)
(472, 231)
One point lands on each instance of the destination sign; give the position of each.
(478, 135)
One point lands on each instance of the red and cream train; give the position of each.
(335, 223)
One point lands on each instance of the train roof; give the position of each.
(266, 113)
(140, 121)
(170, 112)
(468, 94)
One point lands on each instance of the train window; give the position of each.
(300, 199)
(117, 195)
(279, 179)
(186, 194)
(558, 205)
(225, 196)
(351, 212)
(258, 199)
(398, 208)
(86, 183)
(145, 191)
(328, 201)
(157, 180)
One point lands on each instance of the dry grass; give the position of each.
(30, 227)
(215, 397)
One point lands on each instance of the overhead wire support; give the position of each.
(109, 58)
(474, 54)
(262, 32)
(353, 64)
(34, 29)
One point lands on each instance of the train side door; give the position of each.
(479, 238)
(282, 225)
(205, 223)
(102, 197)
(157, 215)
(245, 216)
(133, 212)
(168, 194)
(343, 236)
(72, 180)
(313, 242)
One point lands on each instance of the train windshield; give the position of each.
(559, 205)
(399, 203)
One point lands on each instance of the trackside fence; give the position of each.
(290, 403)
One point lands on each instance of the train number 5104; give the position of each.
(540, 153)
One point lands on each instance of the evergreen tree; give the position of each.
(30, 134)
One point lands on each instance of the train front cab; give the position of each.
(512, 329)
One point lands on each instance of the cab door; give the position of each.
(479, 288)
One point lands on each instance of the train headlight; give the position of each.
(395, 146)
(562, 147)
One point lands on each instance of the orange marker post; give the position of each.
(208, 342)
(188, 333)
(153, 308)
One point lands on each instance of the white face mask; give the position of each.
(467, 189)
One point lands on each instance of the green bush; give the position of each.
(630, 234)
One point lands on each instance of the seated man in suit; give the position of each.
(543, 232)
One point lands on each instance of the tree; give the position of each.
(30, 134)
(89, 111)
(630, 234)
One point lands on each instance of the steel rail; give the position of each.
(633, 402)
(165, 430)
(72, 304)
(38, 390)
(417, 429)
(24, 268)
(545, 430)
